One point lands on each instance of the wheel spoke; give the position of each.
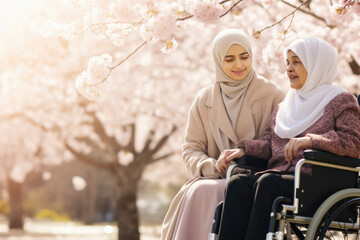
(326, 231)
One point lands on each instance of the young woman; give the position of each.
(236, 106)
(315, 114)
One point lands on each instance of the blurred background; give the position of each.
(105, 162)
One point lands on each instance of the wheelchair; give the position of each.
(325, 205)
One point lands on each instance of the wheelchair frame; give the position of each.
(314, 222)
(283, 218)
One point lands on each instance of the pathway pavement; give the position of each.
(34, 230)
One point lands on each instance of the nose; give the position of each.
(238, 63)
(290, 68)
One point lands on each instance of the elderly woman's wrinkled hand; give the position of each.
(225, 158)
(293, 146)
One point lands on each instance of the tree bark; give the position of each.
(127, 212)
(354, 66)
(15, 199)
(89, 199)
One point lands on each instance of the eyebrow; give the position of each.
(292, 57)
(239, 54)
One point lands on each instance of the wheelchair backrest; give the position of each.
(323, 182)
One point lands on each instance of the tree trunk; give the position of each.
(15, 199)
(126, 212)
(89, 198)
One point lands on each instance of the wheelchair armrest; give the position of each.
(326, 157)
(252, 163)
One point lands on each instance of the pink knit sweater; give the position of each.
(337, 131)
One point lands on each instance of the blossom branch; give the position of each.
(231, 8)
(122, 61)
(109, 167)
(257, 33)
(221, 3)
(306, 12)
(132, 53)
(114, 22)
(287, 29)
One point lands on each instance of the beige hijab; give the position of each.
(233, 92)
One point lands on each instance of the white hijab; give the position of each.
(302, 108)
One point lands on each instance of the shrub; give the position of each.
(4, 207)
(52, 215)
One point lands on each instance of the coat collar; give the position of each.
(218, 114)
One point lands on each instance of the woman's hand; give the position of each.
(294, 145)
(226, 157)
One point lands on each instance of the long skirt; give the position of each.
(195, 210)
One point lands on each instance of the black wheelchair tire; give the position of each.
(328, 210)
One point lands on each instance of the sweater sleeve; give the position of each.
(344, 140)
(260, 148)
(194, 148)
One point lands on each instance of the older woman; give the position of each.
(315, 114)
(236, 106)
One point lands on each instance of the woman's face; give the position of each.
(295, 70)
(237, 63)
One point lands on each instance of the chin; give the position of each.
(294, 85)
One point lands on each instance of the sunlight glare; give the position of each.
(13, 11)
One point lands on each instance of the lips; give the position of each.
(292, 77)
(239, 72)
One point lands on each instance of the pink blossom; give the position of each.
(355, 9)
(125, 158)
(122, 11)
(254, 33)
(92, 19)
(160, 26)
(268, 3)
(117, 32)
(206, 11)
(93, 82)
(98, 68)
(76, 3)
(338, 9)
(50, 28)
(46, 175)
(170, 46)
(79, 183)
(146, 32)
(93, 92)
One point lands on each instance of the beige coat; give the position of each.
(200, 150)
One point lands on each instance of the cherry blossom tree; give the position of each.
(162, 22)
(25, 146)
(46, 103)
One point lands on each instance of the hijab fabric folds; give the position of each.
(232, 91)
(302, 108)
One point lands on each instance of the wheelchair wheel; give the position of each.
(326, 224)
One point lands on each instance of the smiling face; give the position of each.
(295, 71)
(236, 63)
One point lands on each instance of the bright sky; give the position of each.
(13, 10)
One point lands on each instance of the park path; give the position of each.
(71, 231)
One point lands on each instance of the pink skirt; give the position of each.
(197, 210)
